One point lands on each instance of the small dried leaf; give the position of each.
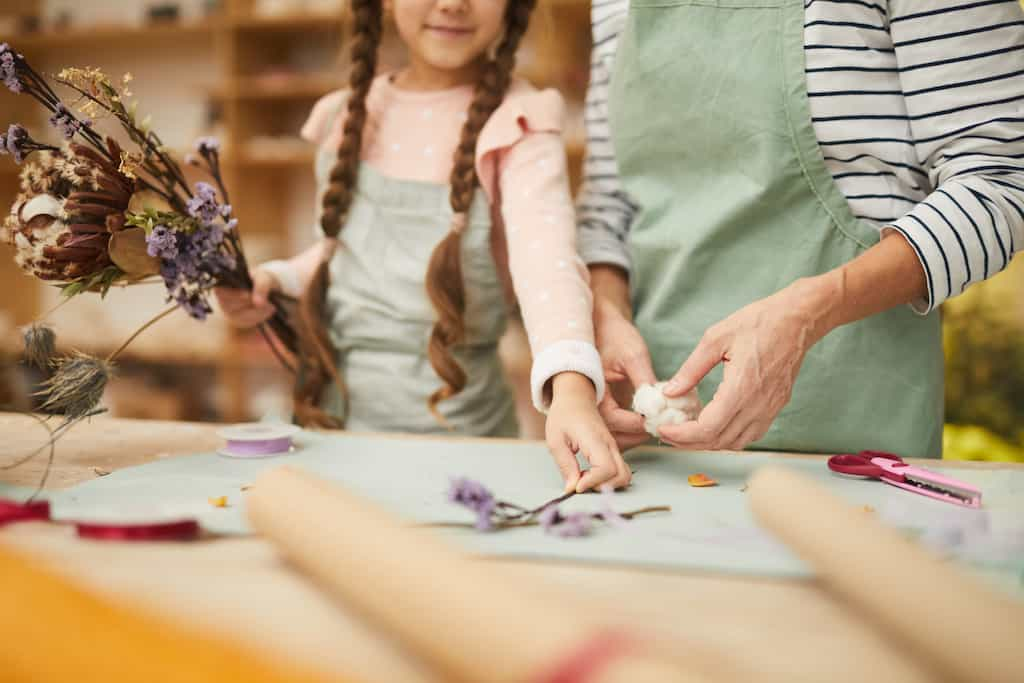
(219, 501)
(700, 479)
(128, 251)
(147, 199)
(99, 472)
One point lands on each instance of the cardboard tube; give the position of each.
(468, 619)
(949, 620)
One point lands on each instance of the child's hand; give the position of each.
(573, 425)
(244, 308)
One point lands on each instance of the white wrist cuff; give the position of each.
(287, 276)
(565, 356)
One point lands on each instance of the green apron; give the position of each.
(380, 318)
(713, 136)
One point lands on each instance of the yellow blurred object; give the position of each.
(219, 501)
(983, 338)
(53, 632)
(968, 442)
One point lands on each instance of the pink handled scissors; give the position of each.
(892, 470)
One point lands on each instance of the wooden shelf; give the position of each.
(87, 35)
(284, 87)
(274, 159)
(325, 22)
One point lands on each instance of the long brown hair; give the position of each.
(444, 282)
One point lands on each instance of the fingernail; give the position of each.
(673, 386)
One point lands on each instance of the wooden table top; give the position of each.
(785, 630)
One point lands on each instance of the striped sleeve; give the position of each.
(604, 211)
(961, 70)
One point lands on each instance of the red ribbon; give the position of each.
(585, 661)
(182, 530)
(11, 511)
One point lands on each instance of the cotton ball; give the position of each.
(659, 410)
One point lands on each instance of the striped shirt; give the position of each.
(919, 112)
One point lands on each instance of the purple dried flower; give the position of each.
(191, 264)
(567, 526)
(476, 497)
(549, 517)
(207, 145)
(194, 303)
(204, 205)
(162, 243)
(16, 142)
(608, 513)
(225, 211)
(8, 69)
(64, 121)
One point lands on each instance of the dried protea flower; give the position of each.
(40, 345)
(76, 388)
(71, 202)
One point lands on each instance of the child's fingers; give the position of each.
(603, 465)
(566, 461)
(262, 284)
(625, 475)
(228, 297)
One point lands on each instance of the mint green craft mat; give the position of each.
(709, 529)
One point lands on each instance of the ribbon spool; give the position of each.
(135, 522)
(176, 530)
(180, 529)
(12, 511)
(258, 440)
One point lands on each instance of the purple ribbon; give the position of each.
(267, 447)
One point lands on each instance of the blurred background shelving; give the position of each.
(248, 72)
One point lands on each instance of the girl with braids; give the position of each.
(436, 181)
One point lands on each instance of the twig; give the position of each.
(53, 310)
(527, 514)
(139, 331)
(56, 434)
(515, 523)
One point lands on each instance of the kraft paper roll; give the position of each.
(53, 632)
(469, 619)
(949, 620)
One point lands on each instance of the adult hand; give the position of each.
(626, 360)
(762, 346)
